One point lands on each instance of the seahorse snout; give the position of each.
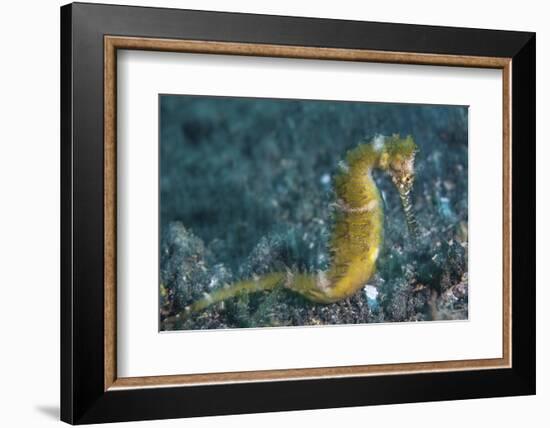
(404, 189)
(402, 174)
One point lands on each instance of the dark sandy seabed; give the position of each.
(246, 189)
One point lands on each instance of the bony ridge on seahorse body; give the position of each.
(357, 234)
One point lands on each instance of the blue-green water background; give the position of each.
(246, 188)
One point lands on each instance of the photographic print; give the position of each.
(283, 212)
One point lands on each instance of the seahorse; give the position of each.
(357, 234)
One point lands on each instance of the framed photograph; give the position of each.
(266, 213)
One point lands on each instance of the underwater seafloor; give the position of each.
(246, 189)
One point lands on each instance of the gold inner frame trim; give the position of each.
(113, 43)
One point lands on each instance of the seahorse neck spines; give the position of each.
(400, 147)
(382, 152)
(363, 157)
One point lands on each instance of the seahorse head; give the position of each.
(396, 156)
(401, 154)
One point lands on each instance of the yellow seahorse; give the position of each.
(358, 230)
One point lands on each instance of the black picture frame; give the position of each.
(83, 396)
